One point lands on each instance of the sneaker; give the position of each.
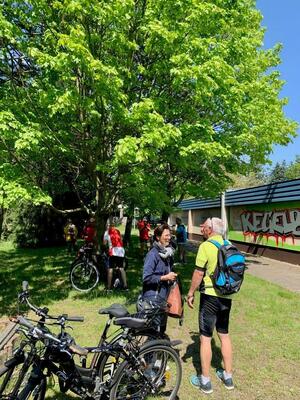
(117, 283)
(196, 382)
(228, 383)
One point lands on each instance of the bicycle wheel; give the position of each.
(155, 375)
(84, 276)
(34, 390)
(12, 378)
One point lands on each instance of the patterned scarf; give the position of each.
(164, 252)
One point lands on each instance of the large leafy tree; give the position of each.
(141, 99)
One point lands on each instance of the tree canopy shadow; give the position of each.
(193, 352)
(47, 271)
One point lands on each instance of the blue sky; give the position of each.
(281, 19)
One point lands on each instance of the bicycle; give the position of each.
(14, 374)
(92, 382)
(158, 363)
(106, 364)
(89, 269)
(84, 273)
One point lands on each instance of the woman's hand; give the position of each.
(171, 276)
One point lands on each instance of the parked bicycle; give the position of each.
(140, 371)
(89, 268)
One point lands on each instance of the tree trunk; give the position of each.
(1, 220)
(165, 216)
(127, 234)
(101, 221)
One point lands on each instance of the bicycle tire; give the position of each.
(34, 390)
(144, 379)
(84, 276)
(12, 377)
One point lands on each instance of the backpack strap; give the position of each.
(217, 244)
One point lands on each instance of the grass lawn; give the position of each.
(265, 321)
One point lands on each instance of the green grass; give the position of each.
(265, 321)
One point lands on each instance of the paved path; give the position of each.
(279, 272)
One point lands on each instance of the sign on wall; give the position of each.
(277, 227)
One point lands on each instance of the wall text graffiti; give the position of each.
(277, 223)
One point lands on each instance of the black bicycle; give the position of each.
(155, 367)
(90, 268)
(85, 270)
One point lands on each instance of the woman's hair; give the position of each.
(159, 230)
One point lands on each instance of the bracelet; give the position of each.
(190, 296)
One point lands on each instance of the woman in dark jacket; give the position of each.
(157, 273)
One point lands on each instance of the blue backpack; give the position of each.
(229, 272)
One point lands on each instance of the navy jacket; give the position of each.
(154, 267)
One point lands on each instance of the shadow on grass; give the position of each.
(47, 271)
(192, 352)
(216, 361)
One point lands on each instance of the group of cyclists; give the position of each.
(109, 255)
(110, 252)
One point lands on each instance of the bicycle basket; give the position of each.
(150, 309)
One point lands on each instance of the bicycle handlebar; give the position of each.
(74, 319)
(43, 312)
(35, 330)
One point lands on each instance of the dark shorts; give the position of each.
(213, 312)
(116, 262)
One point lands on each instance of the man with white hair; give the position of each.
(214, 309)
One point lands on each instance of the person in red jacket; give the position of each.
(144, 231)
(89, 232)
(113, 241)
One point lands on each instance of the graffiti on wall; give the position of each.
(279, 224)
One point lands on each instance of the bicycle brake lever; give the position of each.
(70, 327)
(22, 297)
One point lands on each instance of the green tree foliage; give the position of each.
(278, 173)
(293, 170)
(149, 100)
(253, 178)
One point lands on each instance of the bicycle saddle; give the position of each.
(115, 310)
(130, 322)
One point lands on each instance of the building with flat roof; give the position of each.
(262, 220)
